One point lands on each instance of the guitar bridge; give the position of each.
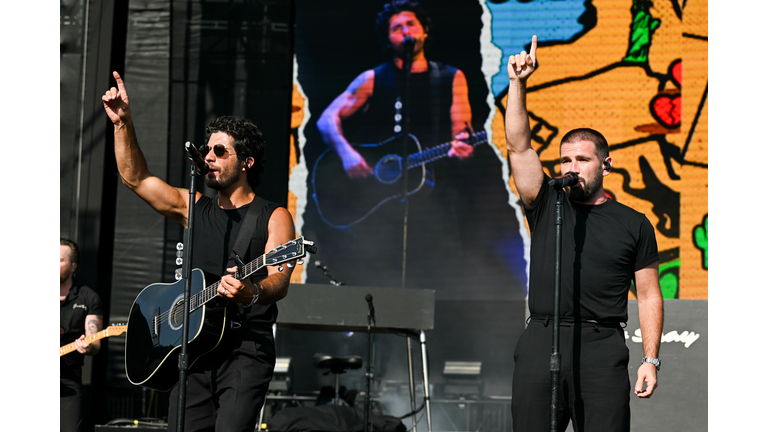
(156, 321)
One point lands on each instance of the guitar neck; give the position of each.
(294, 249)
(109, 331)
(441, 151)
(211, 291)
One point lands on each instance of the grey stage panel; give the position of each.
(344, 308)
(680, 401)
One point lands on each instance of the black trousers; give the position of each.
(70, 401)
(226, 388)
(594, 387)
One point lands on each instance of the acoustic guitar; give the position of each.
(155, 323)
(343, 202)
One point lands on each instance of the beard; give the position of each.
(418, 47)
(225, 180)
(65, 274)
(590, 187)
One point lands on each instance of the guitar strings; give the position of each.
(199, 299)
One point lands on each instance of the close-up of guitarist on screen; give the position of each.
(438, 93)
(233, 355)
(395, 132)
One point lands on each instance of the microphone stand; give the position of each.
(408, 45)
(327, 273)
(554, 360)
(187, 275)
(368, 425)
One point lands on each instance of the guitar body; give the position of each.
(343, 202)
(154, 336)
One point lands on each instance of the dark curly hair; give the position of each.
(587, 134)
(248, 143)
(395, 7)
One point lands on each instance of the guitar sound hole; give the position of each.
(176, 316)
(389, 169)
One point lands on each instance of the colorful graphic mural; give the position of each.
(635, 70)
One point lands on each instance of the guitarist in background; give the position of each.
(81, 315)
(226, 387)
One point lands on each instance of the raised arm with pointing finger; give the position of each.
(167, 200)
(524, 161)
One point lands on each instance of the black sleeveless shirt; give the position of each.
(431, 97)
(215, 235)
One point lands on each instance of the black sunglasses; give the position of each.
(219, 150)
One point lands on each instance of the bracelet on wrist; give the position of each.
(255, 296)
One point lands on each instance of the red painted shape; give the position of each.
(667, 110)
(677, 74)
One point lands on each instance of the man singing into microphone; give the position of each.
(606, 247)
(227, 387)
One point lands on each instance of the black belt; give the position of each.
(250, 325)
(569, 321)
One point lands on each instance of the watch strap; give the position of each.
(654, 361)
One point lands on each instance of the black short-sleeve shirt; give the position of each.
(603, 245)
(80, 302)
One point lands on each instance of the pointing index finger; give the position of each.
(120, 83)
(534, 43)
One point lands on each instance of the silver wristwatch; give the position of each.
(654, 361)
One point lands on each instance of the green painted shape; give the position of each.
(701, 241)
(669, 283)
(669, 265)
(640, 31)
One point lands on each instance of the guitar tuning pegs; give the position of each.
(300, 262)
(280, 268)
(290, 265)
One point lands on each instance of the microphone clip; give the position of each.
(327, 273)
(196, 158)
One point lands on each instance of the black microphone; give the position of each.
(320, 265)
(568, 179)
(408, 43)
(196, 158)
(371, 310)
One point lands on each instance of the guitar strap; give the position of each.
(243, 242)
(434, 88)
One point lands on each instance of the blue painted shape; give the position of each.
(513, 24)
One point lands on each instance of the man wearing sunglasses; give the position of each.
(226, 388)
